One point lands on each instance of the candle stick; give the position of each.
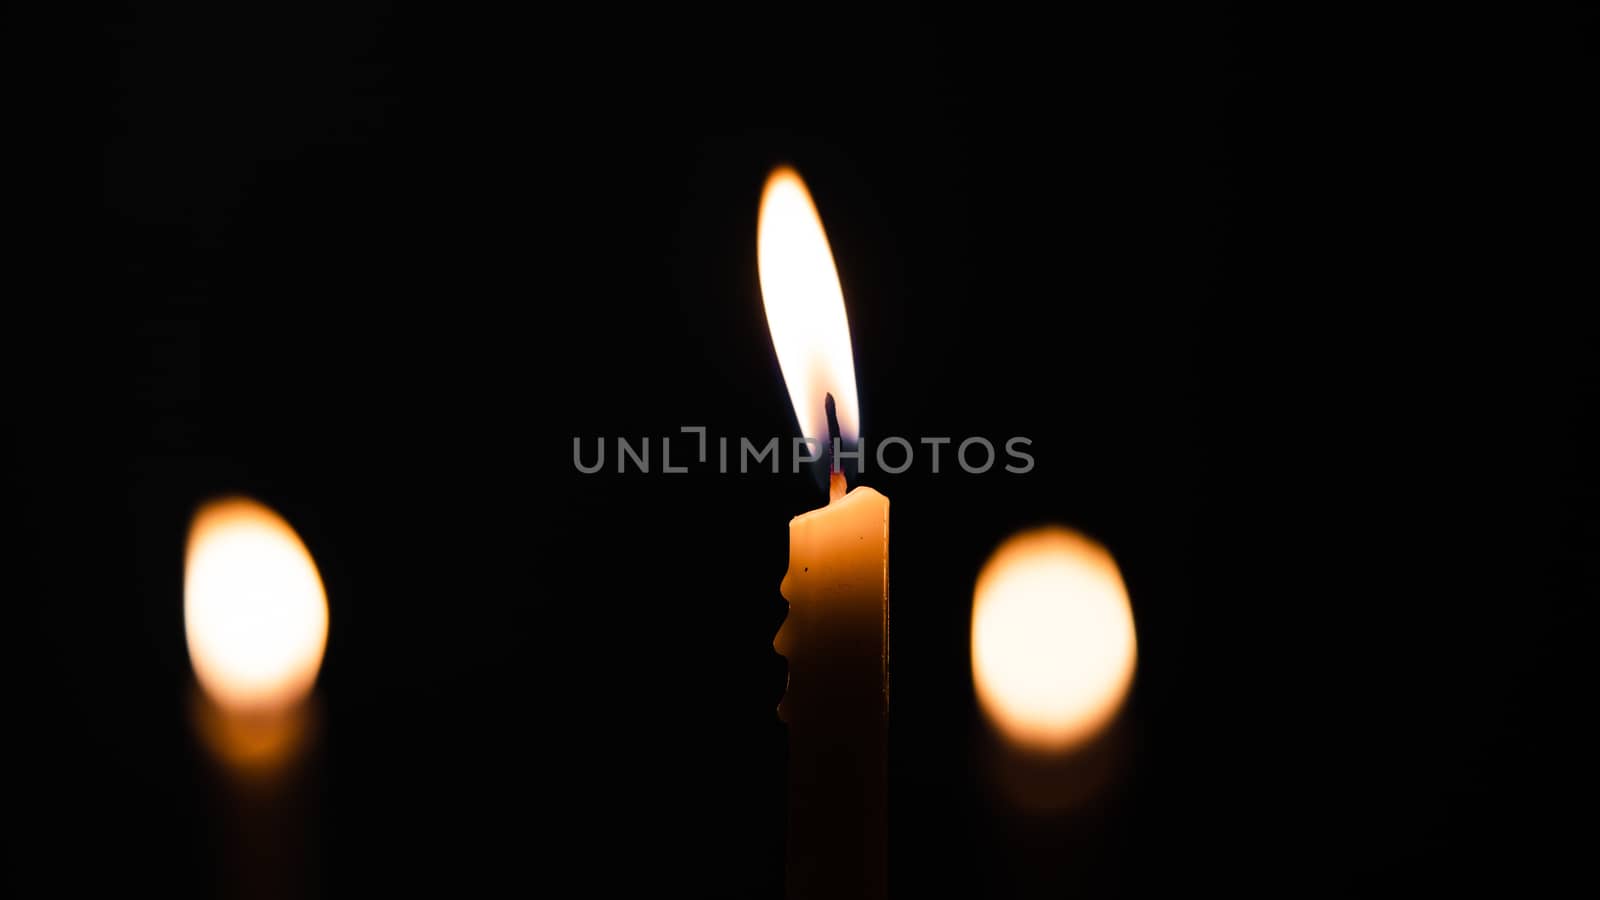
(836, 640)
(256, 619)
(836, 636)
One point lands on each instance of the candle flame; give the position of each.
(1053, 645)
(805, 306)
(255, 613)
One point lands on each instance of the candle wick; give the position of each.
(836, 482)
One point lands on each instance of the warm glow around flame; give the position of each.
(254, 609)
(1053, 645)
(805, 306)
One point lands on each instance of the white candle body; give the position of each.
(836, 640)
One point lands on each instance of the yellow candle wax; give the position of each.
(836, 640)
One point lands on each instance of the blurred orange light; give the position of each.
(1053, 645)
(255, 613)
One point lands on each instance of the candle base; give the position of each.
(838, 814)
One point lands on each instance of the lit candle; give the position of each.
(836, 636)
(256, 620)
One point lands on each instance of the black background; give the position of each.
(1281, 305)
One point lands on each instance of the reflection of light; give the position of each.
(805, 306)
(254, 610)
(259, 746)
(1053, 645)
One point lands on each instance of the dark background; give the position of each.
(1282, 305)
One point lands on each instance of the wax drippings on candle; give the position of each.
(835, 642)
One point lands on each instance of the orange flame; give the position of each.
(805, 306)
